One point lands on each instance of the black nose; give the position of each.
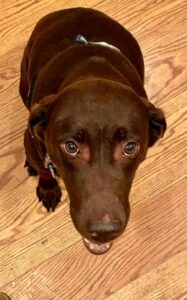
(103, 232)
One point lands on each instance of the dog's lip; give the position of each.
(97, 248)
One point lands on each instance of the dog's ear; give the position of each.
(39, 116)
(157, 124)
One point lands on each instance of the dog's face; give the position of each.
(96, 133)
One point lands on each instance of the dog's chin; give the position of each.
(97, 248)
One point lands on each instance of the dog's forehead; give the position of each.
(103, 98)
(100, 106)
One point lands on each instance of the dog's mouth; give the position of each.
(97, 248)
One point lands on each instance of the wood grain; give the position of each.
(163, 280)
(41, 255)
(131, 257)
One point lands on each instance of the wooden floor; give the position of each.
(42, 257)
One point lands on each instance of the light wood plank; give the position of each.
(168, 281)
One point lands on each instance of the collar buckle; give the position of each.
(48, 164)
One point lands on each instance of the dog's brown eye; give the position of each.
(131, 149)
(71, 148)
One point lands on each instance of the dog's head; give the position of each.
(97, 132)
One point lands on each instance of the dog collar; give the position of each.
(48, 164)
(81, 39)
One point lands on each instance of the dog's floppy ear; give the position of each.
(157, 124)
(39, 116)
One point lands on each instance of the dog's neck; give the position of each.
(94, 67)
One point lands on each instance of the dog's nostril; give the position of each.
(104, 231)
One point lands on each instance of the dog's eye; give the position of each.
(131, 149)
(71, 148)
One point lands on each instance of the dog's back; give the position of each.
(58, 31)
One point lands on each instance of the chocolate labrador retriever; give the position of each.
(90, 121)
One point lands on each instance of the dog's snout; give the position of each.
(102, 232)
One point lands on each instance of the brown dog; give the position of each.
(90, 120)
